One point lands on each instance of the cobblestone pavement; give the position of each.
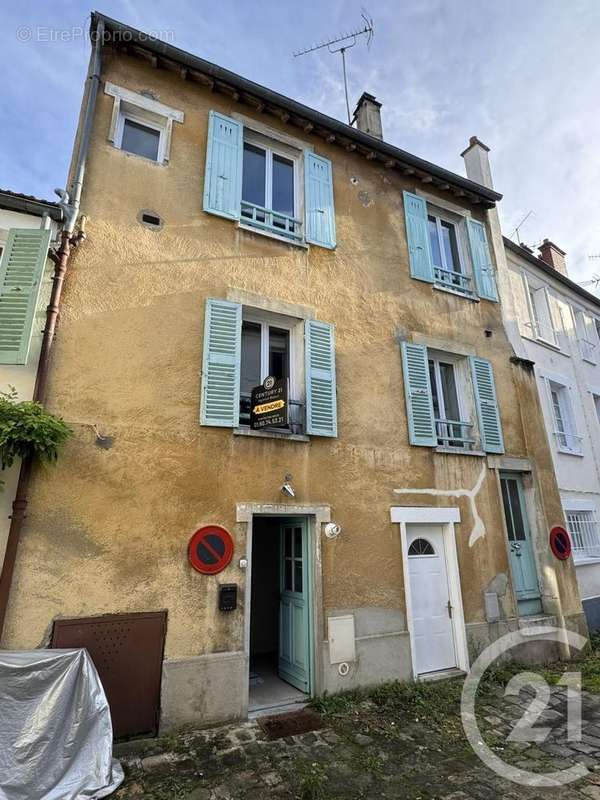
(370, 750)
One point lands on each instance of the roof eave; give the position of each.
(29, 205)
(550, 271)
(132, 36)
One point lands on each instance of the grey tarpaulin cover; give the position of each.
(55, 728)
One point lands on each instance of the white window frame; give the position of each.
(585, 327)
(567, 441)
(590, 551)
(145, 111)
(539, 331)
(466, 410)
(273, 147)
(295, 328)
(459, 223)
(140, 119)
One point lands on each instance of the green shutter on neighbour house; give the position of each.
(488, 413)
(318, 200)
(419, 399)
(223, 173)
(483, 269)
(417, 237)
(321, 408)
(220, 394)
(21, 270)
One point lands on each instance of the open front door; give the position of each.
(294, 651)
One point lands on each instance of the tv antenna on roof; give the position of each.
(345, 42)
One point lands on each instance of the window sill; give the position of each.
(291, 437)
(459, 451)
(566, 452)
(583, 560)
(270, 235)
(145, 159)
(441, 288)
(589, 361)
(545, 343)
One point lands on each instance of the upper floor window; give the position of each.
(444, 394)
(448, 265)
(565, 428)
(587, 336)
(243, 345)
(268, 184)
(141, 125)
(448, 249)
(453, 429)
(540, 325)
(269, 189)
(270, 344)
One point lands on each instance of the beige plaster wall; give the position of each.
(107, 529)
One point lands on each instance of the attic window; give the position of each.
(150, 219)
(141, 125)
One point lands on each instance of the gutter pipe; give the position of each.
(61, 259)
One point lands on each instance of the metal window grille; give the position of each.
(583, 528)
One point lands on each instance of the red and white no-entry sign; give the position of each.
(210, 549)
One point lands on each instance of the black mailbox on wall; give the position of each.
(227, 597)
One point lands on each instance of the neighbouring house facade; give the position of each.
(27, 227)
(234, 234)
(558, 322)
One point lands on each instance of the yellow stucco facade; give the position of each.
(108, 527)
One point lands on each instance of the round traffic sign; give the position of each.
(210, 549)
(560, 543)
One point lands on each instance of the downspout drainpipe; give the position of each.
(61, 259)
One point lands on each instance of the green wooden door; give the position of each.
(522, 560)
(294, 649)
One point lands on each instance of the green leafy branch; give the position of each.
(27, 430)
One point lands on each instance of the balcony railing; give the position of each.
(583, 529)
(587, 350)
(453, 280)
(455, 433)
(272, 221)
(544, 333)
(295, 422)
(570, 442)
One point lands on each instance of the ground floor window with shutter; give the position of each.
(243, 345)
(585, 537)
(450, 400)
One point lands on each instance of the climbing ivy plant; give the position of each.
(27, 430)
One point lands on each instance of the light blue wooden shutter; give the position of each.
(483, 269)
(223, 173)
(220, 403)
(419, 400)
(417, 237)
(488, 413)
(21, 270)
(318, 200)
(321, 410)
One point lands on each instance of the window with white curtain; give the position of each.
(565, 429)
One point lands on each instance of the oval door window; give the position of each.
(421, 547)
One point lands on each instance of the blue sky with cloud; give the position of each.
(523, 75)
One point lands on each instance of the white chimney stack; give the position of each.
(477, 163)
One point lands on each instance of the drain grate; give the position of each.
(279, 726)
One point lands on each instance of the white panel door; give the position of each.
(433, 632)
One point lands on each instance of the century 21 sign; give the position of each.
(269, 404)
